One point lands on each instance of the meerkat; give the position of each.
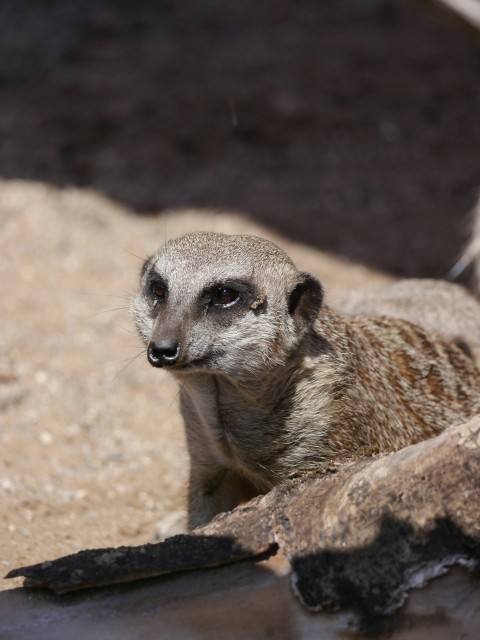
(274, 382)
(437, 306)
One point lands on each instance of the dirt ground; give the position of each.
(348, 133)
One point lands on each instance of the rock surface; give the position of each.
(360, 536)
(363, 540)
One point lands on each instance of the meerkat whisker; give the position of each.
(129, 361)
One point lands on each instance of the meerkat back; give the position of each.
(445, 309)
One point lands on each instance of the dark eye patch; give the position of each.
(227, 293)
(159, 290)
(225, 296)
(156, 287)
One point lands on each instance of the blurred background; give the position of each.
(351, 126)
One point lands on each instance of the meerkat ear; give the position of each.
(305, 300)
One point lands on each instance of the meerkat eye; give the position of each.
(159, 290)
(225, 297)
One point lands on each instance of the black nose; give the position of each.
(163, 353)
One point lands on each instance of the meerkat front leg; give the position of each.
(213, 490)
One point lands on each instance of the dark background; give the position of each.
(351, 125)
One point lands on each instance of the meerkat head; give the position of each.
(233, 305)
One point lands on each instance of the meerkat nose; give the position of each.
(163, 353)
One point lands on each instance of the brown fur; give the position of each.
(278, 382)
